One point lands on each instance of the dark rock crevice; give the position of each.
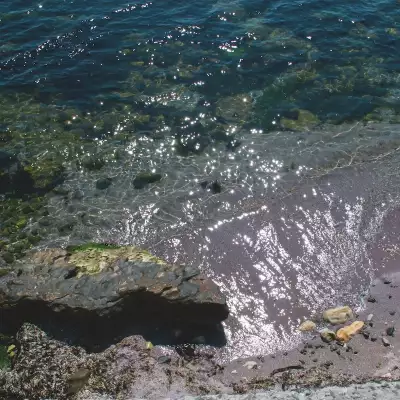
(96, 296)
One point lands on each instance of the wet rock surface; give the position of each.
(369, 352)
(98, 286)
(47, 368)
(133, 368)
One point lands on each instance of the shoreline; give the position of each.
(178, 373)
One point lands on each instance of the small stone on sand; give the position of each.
(346, 333)
(250, 365)
(307, 326)
(339, 315)
(327, 335)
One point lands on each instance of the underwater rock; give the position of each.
(103, 183)
(302, 120)
(93, 163)
(106, 285)
(339, 315)
(213, 186)
(35, 177)
(145, 178)
(235, 108)
(7, 159)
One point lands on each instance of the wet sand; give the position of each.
(282, 260)
(315, 363)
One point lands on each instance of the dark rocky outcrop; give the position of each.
(44, 368)
(101, 288)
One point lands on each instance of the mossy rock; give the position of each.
(305, 119)
(33, 239)
(4, 272)
(145, 178)
(21, 223)
(392, 31)
(92, 258)
(4, 358)
(45, 174)
(93, 163)
(235, 108)
(92, 246)
(8, 257)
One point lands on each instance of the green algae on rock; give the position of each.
(96, 284)
(93, 258)
(305, 120)
(4, 358)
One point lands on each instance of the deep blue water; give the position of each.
(77, 51)
(293, 107)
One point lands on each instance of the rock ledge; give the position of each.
(94, 283)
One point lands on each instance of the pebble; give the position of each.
(392, 312)
(385, 342)
(366, 334)
(338, 315)
(307, 326)
(386, 281)
(374, 338)
(327, 335)
(369, 317)
(164, 359)
(371, 299)
(103, 183)
(346, 333)
(390, 331)
(250, 365)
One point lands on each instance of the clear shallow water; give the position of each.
(292, 107)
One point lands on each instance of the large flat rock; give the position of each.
(93, 283)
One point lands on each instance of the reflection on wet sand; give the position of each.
(287, 260)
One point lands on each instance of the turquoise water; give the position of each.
(290, 108)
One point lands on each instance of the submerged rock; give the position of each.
(101, 284)
(214, 186)
(339, 315)
(303, 119)
(35, 176)
(145, 178)
(103, 183)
